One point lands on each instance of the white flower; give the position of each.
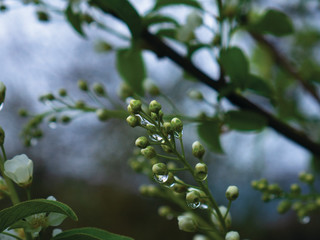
(232, 235)
(216, 220)
(19, 169)
(187, 223)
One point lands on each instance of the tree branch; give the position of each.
(299, 137)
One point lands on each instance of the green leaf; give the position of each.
(124, 10)
(167, 32)
(89, 234)
(74, 19)
(236, 65)
(273, 22)
(244, 120)
(131, 68)
(9, 216)
(165, 3)
(156, 19)
(209, 132)
(260, 86)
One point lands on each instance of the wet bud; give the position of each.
(65, 119)
(125, 91)
(193, 197)
(23, 112)
(102, 114)
(2, 136)
(232, 235)
(179, 188)
(274, 189)
(142, 142)
(2, 92)
(133, 121)
(232, 193)
(195, 95)
(80, 104)
(149, 152)
(176, 124)
(83, 85)
(98, 89)
(167, 128)
(170, 180)
(154, 106)
(284, 206)
(63, 92)
(197, 149)
(135, 106)
(167, 149)
(201, 171)
(187, 223)
(160, 169)
(295, 189)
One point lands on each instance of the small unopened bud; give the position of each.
(133, 121)
(165, 211)
(142, 142)
(63, 92)
(306, 177)
(125, 91)
(135, 106)
(232, 235)
(167, 149)
(2, 92)
(151, 88)
(80, 104)
(149, 152)
(274, 189)
(295, 189)
(195, 95)
(160, 169)
(167, 128)
(65, 119)
(2, 136)
(43, 16)
(193, 197)
(176, 124)
(170, 179)
(284, 206)
(83, 85)
(154, 106)
(179, 188)
(187, 223)
(151, 128)
(297, 206)
(201, 171)
(98, 89)
(23, 113)
(198, 150)
(102, 114)
(232, 193)
(262, 184)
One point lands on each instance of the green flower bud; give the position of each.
(160, 169)
(167, 149)
(136, 165)
(167, 128)
(38, 133)
(47, 97)
(2, 136)
(254, 184)
(284, 206)
(80, 104)
(198, 150)
(302, 176)
(151, 129)
(309, 179)
(171, 165)
(65, 119)
(149, 152)
(154, 116)
(149, 190)
(201, 171)
(142, 142)
(154, 106)
(83, 85)
(274, 189)
(262, 184)
(176, 124)
(98, 89)
(133, 121)
(2, 92)
(102, 114)
(151, 88)
(195, 95)
(232, 235)
(170, 179)
(232, 193)
(23, 112)
(165, 211)
(135, 106)
(125, 91)
(43, 16)
(193, 197)
(297, 206)
(179, 188)
(295, 189)
(266, 197)
(187, 223)
(63, 92)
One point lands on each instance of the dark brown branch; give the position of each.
(286, 65)
(299, 137)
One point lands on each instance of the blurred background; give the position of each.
(85, 163)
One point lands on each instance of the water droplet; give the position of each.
(193, 205)
(143, 121)
(33, 142)
(1, 106)
(305, 220)
(203, 206)
(161, 178)
(156, 138)
(52, 125)
(178, 134)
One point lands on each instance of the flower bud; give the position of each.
(63, 92)
(151, 88)
(133, 121)
(98, 89)
(125, 91)
(187, 223)
(83, 85)
(284, 206)
(223, 211)
(201, 171)
(151, 129)
(65, 119)
(193, 197)
(176, 124)
(274, 189)
(195, 95)
(179, 188)
(149, 152)
(170, 180)
(295, 189)
(262, 184)
(232, 193)
(160, 169)
(198, 150)
(2, 92)
(167, 128)
(19, 169)
(22, 112)
(167, 149)
(309, 179)
(232, 235)
(43, 16)
(297, 206)
(200, 237)
(154, 106)
(135, 106)
(142, 142)
(165, 211)
(2, 136)
(80, 104)
(102, 114)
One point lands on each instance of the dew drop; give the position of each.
(161, 178)
(178, 134)
(52, 125)
(305, 220)
(203, 206)
(156, 138)
(193, 205)
(1, 106)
